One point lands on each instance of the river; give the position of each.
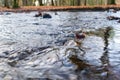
(36, 48)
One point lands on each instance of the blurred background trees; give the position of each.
(18, 3)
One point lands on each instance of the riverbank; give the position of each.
(60, 8)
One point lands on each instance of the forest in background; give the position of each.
(19, 3)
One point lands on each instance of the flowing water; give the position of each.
(35, 48)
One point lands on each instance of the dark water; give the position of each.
(33, 48)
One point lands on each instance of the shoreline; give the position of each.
(60, 8)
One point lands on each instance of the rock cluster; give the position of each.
(43, 15)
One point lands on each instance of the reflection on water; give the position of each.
(34, 48)
(104, 71)
(105, 57)
(81, 64)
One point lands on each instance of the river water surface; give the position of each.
(35, 48)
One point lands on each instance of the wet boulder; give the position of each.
(46, 15)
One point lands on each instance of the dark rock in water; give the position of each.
(61, 42)
(12, 63)
(6, 52)
(22, 55)
(45, 15)
(38, 15)
(113, 18)
(42, 48)
(13, 58)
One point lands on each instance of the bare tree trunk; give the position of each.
(25, 2)
(40, 2)
(78, 2)
(55, 2)
(6, 3)
(85, 3)
(52, 2)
